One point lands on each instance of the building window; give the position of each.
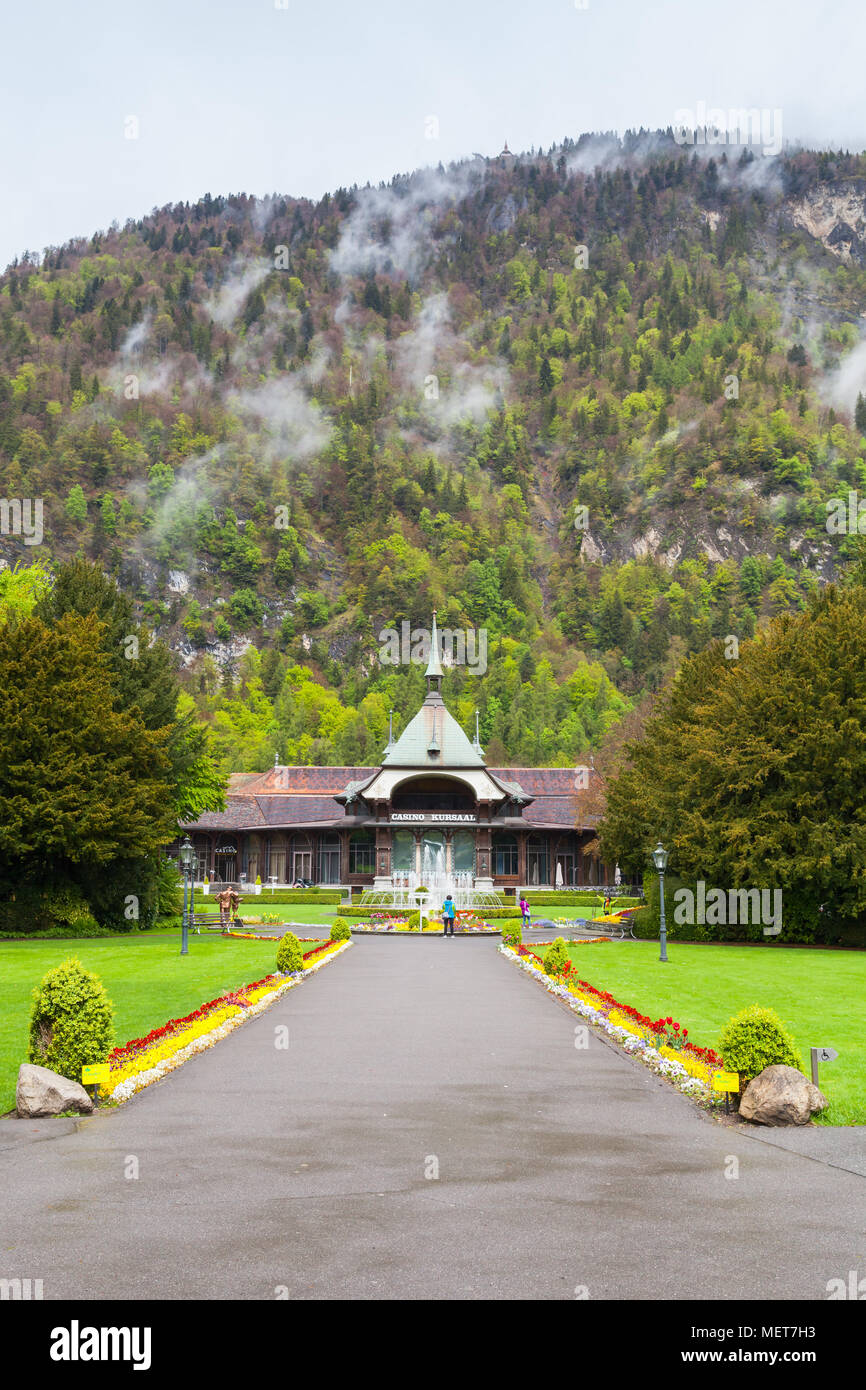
(329, 859)
(537, 860)
(202, 858)
(302, 857)
(403, 852)
(362, 853)
(277, 852)
(463, 852)
(504, 856)
(254, 858)
(226, 860)
(565, 872)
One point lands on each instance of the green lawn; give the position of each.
(819, 994)
(147, 979)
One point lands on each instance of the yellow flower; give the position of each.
(621, 1021)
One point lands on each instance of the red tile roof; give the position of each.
(285, 796)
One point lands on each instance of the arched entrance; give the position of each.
(432, 794)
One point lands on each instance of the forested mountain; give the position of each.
(593, 401)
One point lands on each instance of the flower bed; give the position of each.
(661, 1043)
(466, 921)
(315, 941)
(144, 1060)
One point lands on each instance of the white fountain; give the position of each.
(427, 891)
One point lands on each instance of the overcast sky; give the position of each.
(246, 96)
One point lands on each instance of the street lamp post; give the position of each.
(186, 855)
(660, 859)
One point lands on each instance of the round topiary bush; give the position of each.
(71, 1020)
(556, 957)
(511, 935)
(754, 1039)
(290, 957)
(341, 931)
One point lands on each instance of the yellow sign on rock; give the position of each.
(726, 1081)
(96, 1072)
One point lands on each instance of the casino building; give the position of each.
(432, 800)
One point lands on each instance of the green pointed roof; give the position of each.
(412, 748)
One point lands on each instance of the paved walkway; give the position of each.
(308, 1167)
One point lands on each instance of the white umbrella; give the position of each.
(559, 873)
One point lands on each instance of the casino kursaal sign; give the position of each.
(433, 818)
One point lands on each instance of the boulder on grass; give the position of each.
(42, 1092)
(781, 1096)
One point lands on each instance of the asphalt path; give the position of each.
(431, 1131)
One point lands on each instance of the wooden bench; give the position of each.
(626, 917)
(211, 922)
(622, 929)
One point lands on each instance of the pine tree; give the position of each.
(143, 678)
(428, 480)
(752, 769)
(82, 783)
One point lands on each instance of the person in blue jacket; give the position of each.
(448, 916)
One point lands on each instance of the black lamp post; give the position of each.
(186, 854)
(660, 859)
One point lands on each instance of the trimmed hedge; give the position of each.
(577, 900)
(283, 895)
(290, 957)
(341, 931)
(71, 1020)
(486, 912)
(556, 957)
(756, 1038)
(511, 935)
(81, 931)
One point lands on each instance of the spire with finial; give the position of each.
(390, 733)
(477, 743)
(434, 665)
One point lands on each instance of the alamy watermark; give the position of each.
(854, 1288)
(738, 126)
(412, 645)
(20, 1290)
(736, 907)
(22, 517)
(846, 517)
